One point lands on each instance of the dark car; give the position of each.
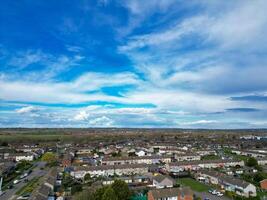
(10, 187)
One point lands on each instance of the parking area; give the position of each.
(204, 195)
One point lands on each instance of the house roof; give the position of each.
(134, 158)
(160, 178)
(170, 192)
(110, 167)
(201, 162)
(225, 178)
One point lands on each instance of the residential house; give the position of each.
(206, 152)
(262, 161)
(184, 193)
(136, 160)
(263, 184)
(161, 181)
(228, 183)
(110, 170)
(187, 157)
(201, 164)
(253, 154)
(22, 156)
(140, 153)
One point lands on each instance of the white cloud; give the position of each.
(27, 109)
(241, 25)
(198, 122)
(101, 122)
(65, 92)
(51, 65)
(81, 116)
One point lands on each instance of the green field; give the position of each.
(193, 184)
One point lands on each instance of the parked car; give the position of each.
(219, 194)
(210, 191)
(23, 175)
(25, 196)
(10, 187)
(16, 181)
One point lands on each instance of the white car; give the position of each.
(16, 181)
(219, 194)
(214, 192)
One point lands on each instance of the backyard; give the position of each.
(193, 184)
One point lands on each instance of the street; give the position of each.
(204, 195)
(36, 172)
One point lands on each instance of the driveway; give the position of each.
(204, 195)
(10, 194)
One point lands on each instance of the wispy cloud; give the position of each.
(27, 109)
(195, 63)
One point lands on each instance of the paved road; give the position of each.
(204, 195)
(36, 172)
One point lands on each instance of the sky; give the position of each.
(133, 63)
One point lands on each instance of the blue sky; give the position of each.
(134, 63)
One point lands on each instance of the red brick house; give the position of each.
(263, 184)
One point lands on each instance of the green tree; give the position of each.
(259, 176)
(85, 195)
(50, 158)
(76, 188)
(109, 194)
(67, 181)
(99, 193)
(252, 162)
(87, 178)
(121, 189)
(24, 164)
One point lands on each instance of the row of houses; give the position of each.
(228, 183)
(152, 181)
(187, 157)
(110, 170)
(136, 160)
(46, 189)
(254, 154)
(175, 167)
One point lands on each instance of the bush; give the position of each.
(252, 162)
(121, 189)
(76, 188)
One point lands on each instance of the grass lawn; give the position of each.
(29, 187)
(239, 157)
(193, 184)
(210, 157)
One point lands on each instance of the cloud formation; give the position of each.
(158, 63)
